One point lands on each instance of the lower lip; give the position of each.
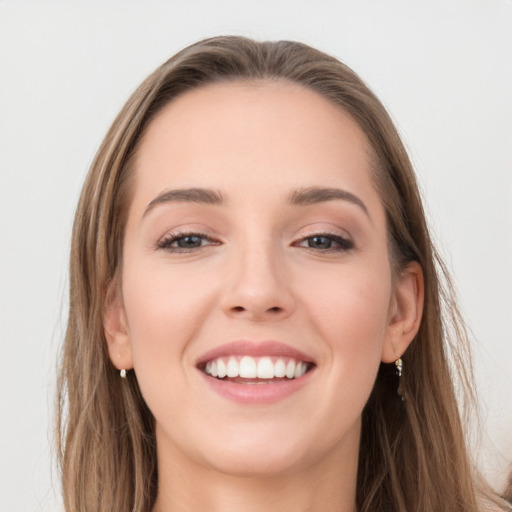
(264, 393)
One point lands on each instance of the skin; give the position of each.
(258, 274)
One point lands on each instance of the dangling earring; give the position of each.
(399, 364)
(123, 373)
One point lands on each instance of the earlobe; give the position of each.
(406, 312)
(116, 330)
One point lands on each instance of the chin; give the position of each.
(259, 452)
(257, 463)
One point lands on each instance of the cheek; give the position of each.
(352, 301)
(163, 308)
(352, 317)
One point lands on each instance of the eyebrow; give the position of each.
(187, 195)
(300, 197)
(314, 195)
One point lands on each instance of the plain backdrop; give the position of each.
(442, 68)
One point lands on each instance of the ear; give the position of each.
(405, 313)
(116, 329)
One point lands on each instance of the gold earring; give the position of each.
(399, 365)
(123, 373)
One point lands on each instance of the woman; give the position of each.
(256, 316)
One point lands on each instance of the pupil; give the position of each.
(320, 242)
(189, 241)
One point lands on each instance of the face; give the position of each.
(256, 297)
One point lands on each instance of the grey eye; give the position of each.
(189, 241)
(185, 242)
(319, 242)
(326, 242)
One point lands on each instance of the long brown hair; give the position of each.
(413, 455)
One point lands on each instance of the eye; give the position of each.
(326, 242)
(185, 242)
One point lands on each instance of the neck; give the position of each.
(328, 485)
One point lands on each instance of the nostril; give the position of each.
(274, 309)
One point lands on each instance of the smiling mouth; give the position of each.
(255, 370)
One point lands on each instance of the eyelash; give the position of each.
(343, 244)
(166, 243)
(171, 238)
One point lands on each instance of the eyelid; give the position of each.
(344, 241)
(164, 243)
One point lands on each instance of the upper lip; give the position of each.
(254, 349)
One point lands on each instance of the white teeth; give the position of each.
(300, 370)
(248, 368)
(251, 368)
(265, 368)
(233, 370)
(279, 368)
(290, 369)
(221, 369)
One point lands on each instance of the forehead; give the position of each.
(268, 106)
(249, 134)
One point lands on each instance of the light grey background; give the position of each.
(443, 68)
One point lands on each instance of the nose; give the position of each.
(258, 287)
